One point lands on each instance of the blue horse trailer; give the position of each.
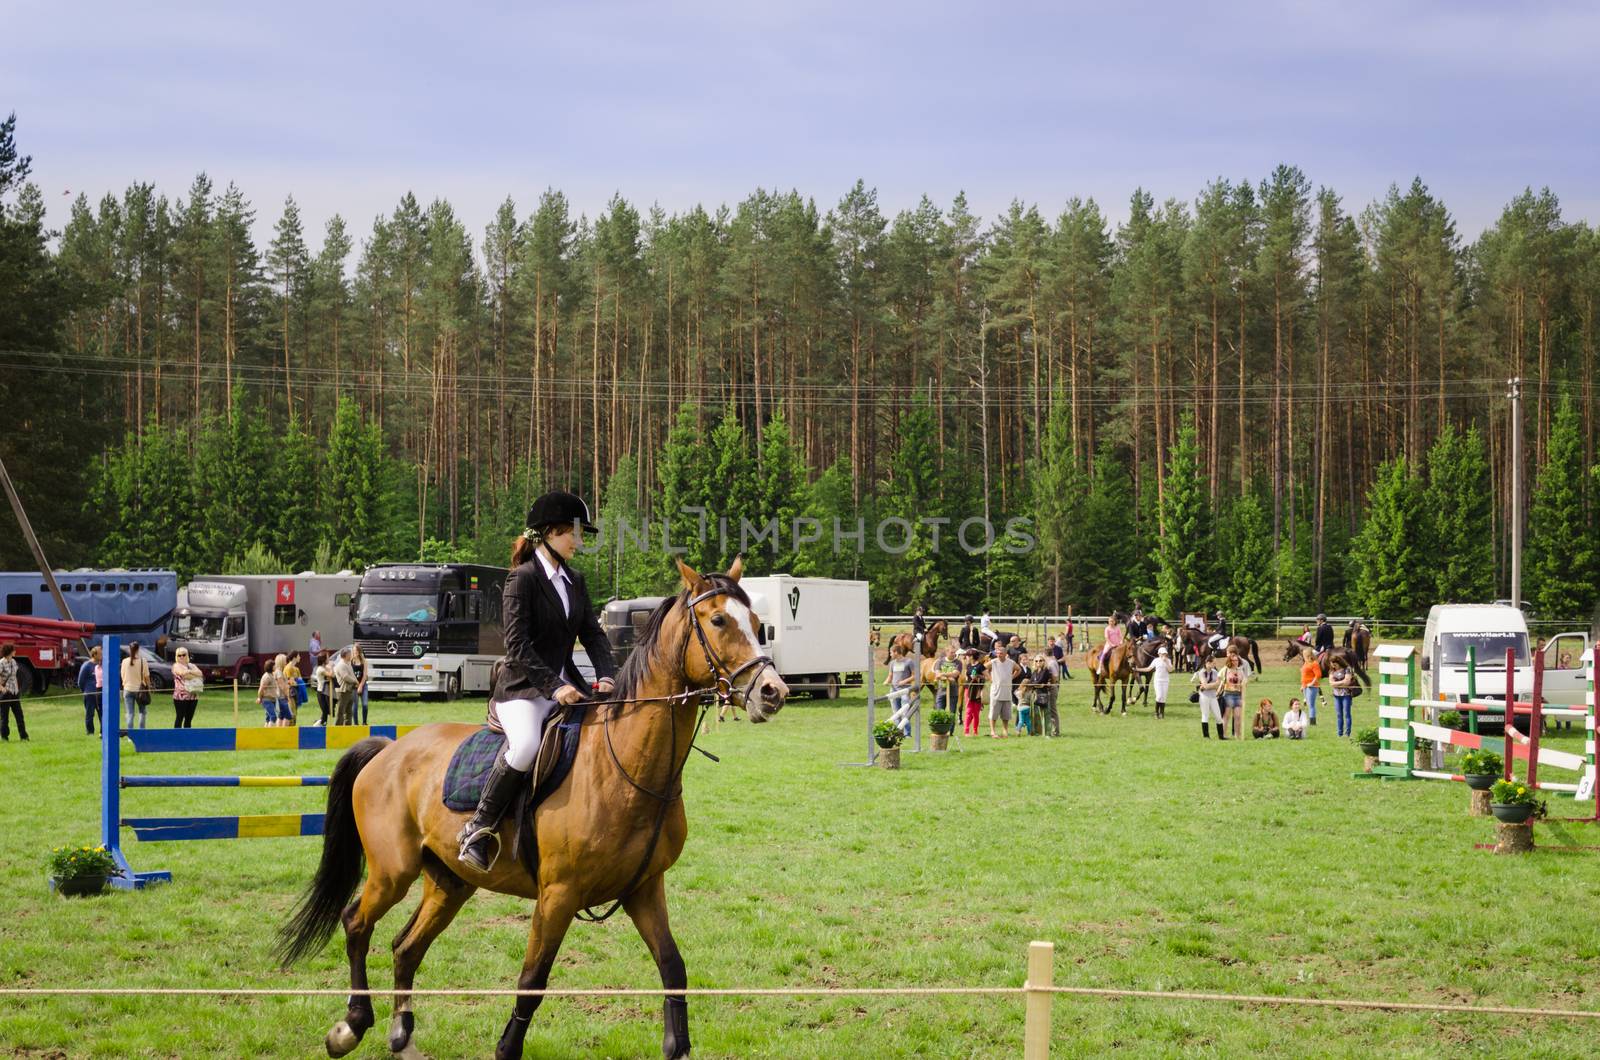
(134, 604)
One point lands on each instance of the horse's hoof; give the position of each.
(342, 1039)
(410, 1052)
(400, 1031)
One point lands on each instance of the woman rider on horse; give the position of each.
(546, 604)
(1114, 634)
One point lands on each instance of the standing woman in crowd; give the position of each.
(1341, 681)
(9, 701)
(1208, 683)
(1234, 681)
(186, 684)
(136, 683)
(91, 679)
(363, 672)
(322, 681)
(545, 607)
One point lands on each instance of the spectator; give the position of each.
(974, 691)
(1039, 692)
(187, 682)
(322, 681)
(91, 682)
(1002, 674)
(1058, 651)
(1208, 683)
(1015, 649)
(315, 644)
(273, 695)
(946, 672)
(296, 685)
(10, 703)
(358, 664)
(1341, 680)
(1234, 682)
(1294, 722)
(902, 675)
(136, 683)
(1265, 725)
(1160, 669)
(344, 678)
(1310, 680)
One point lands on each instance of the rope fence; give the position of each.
(1037, 991)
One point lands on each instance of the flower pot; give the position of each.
(1511, 812)
(1369, 749)
(939, 741)
(79, 885)
(1481, 781)
(889, 757)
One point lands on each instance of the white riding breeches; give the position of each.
(523, 722)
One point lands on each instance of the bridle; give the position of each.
(726, 679)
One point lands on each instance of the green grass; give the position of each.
(1152, 860)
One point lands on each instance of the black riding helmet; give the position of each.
(560, 508)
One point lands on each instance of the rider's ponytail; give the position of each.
(523, 548)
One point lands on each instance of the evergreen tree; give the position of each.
(782, 493)
(1058, 501)
(1459, 504)
(356, 501)
(1110, 564)
(686, 505)
(234, 483)
(1184, 549)
(1250, 586)
(828, 500)
(909, 578)
(1561, 556)
(1391, 554)
(300, 518)
(732, 485)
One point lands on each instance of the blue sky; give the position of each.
(347, 106)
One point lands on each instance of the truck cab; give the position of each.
(212, 620)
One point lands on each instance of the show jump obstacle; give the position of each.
(1403, 718)
(163, 741)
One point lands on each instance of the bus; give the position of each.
(430, 628)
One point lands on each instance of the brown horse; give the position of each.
(1200, 644)
(1118, 670)
(1293, 649)
(930, 641)
(608, 834)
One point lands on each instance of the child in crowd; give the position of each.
(1310, 682)
(975, 679)
(1294, 722)
(1265, 725)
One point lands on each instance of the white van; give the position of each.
(1491, 630)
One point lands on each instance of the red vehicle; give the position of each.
(46, 649)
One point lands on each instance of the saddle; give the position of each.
(469, 767)
(1217, 642)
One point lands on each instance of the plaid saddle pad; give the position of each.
(470, 765)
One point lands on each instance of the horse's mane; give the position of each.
(650, 644)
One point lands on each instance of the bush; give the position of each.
(72, 863)
(1512, 793)
(887, 734)
(1450, 719)
(1367, 737)
(1480, 761)
(941, 723)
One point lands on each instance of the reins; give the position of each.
(723, 692)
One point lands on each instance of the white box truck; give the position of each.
(815, 629)
(234, 624)
(1491, 630)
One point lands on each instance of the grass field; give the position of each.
(1152, 860)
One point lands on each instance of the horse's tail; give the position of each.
(339, 873)
(1255, 652)
(1361, 671)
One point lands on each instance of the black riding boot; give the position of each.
(480, 843)
(1205, 730)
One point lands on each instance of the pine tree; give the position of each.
(1111, 565)
(1250, 585)
(782, 494)
(356, 499)
(300, 517)
(686, 491)
(1392, 555)
(828, 499)
(732, 484)
(1459, 504)
(1058, 502)
(1183, 550)
(909, 578)
(1561, 555)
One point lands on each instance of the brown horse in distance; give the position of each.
(609, 832)
(1118, 670)
(1294, 648)
(930, 641)
(1200, 644)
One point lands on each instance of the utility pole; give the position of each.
(1515, 393)
(983, 425)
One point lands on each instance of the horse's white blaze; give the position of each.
(744, 620)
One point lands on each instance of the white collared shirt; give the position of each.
(558, 579)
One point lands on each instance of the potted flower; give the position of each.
(1481, 768)
(1512, 801)
(941, 723)
(887, 735)
(1450, 719)
(1367, 740)
(81, 870)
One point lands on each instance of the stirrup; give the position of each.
(470, 856)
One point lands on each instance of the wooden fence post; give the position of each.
(1041, 975)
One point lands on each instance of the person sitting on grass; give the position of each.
(1294, 722)
(1265, 725)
